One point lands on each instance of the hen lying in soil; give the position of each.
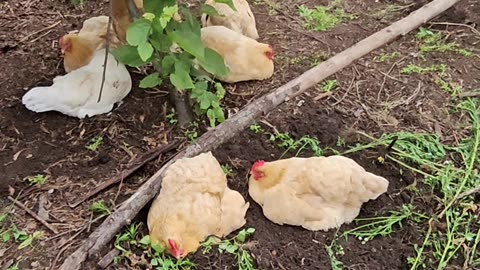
(317, 193)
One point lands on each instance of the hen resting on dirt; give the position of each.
(194, 203)
(317, 193)
(241, 21)
(246, 58)
(76, 93)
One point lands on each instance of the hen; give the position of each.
(246, 58)
(78, 48)
(241, 21)
(194, 203)
(76, 93)
(317, 193)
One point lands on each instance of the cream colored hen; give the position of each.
(241, 20)
(194, 203)
(317, 193)
(246, 58)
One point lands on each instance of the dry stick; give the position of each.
(132, 167)
(228, 129)
(35, 216)
(107, 47)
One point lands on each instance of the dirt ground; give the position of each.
(373, 97)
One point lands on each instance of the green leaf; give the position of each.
(210, 11)
(160, 42)
(228, 2)
(156, 6)
(128, 55)
(149, 16)
(167, 15)
(6, 237)
(138, 32)
(168, 63)
(181, 79)
(145, 240)
(151, 80)
(213, 63)
(220, 90)
(231, 249)
(187, 35)
(145, 51)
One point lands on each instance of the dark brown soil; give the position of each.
(373, 97)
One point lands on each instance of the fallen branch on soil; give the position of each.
(35, 216)
(131, 168)
(228, 129)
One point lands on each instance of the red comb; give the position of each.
(257, 164)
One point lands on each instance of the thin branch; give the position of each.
(131, 168)
(35, 216)
(107, 48)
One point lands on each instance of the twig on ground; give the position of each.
(25, 38)
(31, 213)
(131, 168)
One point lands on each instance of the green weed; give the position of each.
(433, 42)
(100, 208)
(322, 18)
(411, 69)
(329, 85)
(95, 143)
(382, 226)
(36, 180)
(387, 57)
(234, 246)
(256, 128)
(450, 88)
(227, 169)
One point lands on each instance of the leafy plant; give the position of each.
(433, 43)
(227, 169)
(329, 85)
(411, 69)
(382, 226)
(334, 250)
(234, 246)
(176, 51)
(386, 56)
(256, 128)
(94, 143)
(36, 180)
(451, 88)
(322, 18)
(100, 208)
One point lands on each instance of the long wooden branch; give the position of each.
(222, 133)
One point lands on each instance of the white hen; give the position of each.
(76, 93)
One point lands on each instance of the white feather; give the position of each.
(76, 93)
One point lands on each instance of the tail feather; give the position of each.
(43, 99)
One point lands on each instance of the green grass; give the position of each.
(99, 208)
(414, 69)
(227, 169)
(36, 180)
(384, 225)
(235, 246)
(94, 143)
(329, 85)
(131, 241)
(434, 42)
(451, 88)
(323, 18)
(387, 57)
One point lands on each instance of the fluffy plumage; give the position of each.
(246, 58)
(317, 193)
(194, 202)
(241, 21)
(76, 93)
